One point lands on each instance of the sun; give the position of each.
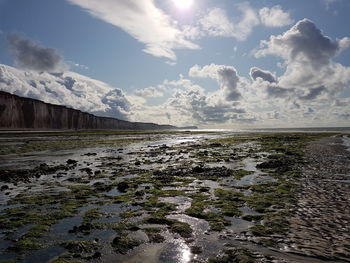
(183, 4)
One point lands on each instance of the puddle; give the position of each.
(103, 235)
(247, 211)
(59, 231)
(4, 256)
(238, 225)
(44, 255)
(199, 226)
(4, 244)
(176, 251)
(182, 203)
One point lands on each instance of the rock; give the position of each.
(215, 145)
(122, 186)
(198, 169)
(87, 170)
(196, 250)
(164, 146)
(97, 254)
(84, 228)
(71, 162)
(90, 154)
(140, 193)
(4, 187)
(102, 187)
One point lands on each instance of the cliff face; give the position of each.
(25, 113)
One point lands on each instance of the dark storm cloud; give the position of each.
(32, 56)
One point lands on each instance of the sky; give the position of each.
(210, 63)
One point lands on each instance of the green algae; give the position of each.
(122, 244)
(199, 204)
(154, 235)
(234, 255)
(183, 229)
(25, 244)
(91, 215)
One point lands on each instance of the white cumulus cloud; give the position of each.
(226, 76)
(275, 17)
(68, 88)
(217, 23)
(308, 56)
(150, 92)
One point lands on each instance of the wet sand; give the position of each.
(320, 226)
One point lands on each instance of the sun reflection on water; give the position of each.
(185, 255)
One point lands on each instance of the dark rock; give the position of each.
(4, 187)
(87, 170)
(215, 145)
(164, 146)
(13, 176)
(70, 161)
(84, 228)
(134, 228)
(198, 169)
(97, 255)
(122, 186)
(90, 154)
(196, 250)
(139, 193)
(102, 187)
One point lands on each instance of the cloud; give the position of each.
(226, 76)
(312, 93)
(263, 74)
(32, 56)
(217, 23)
(204, 108)
(310, 90)
(274, 17)
(68, 88)
(189, 104)
(308, 54)
(304, 42)
(143, 21)
(150, 92)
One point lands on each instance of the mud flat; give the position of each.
(174, 197)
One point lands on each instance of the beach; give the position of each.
(175, 196)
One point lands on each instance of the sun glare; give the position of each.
(183, 4)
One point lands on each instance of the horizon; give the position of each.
(211, 64)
